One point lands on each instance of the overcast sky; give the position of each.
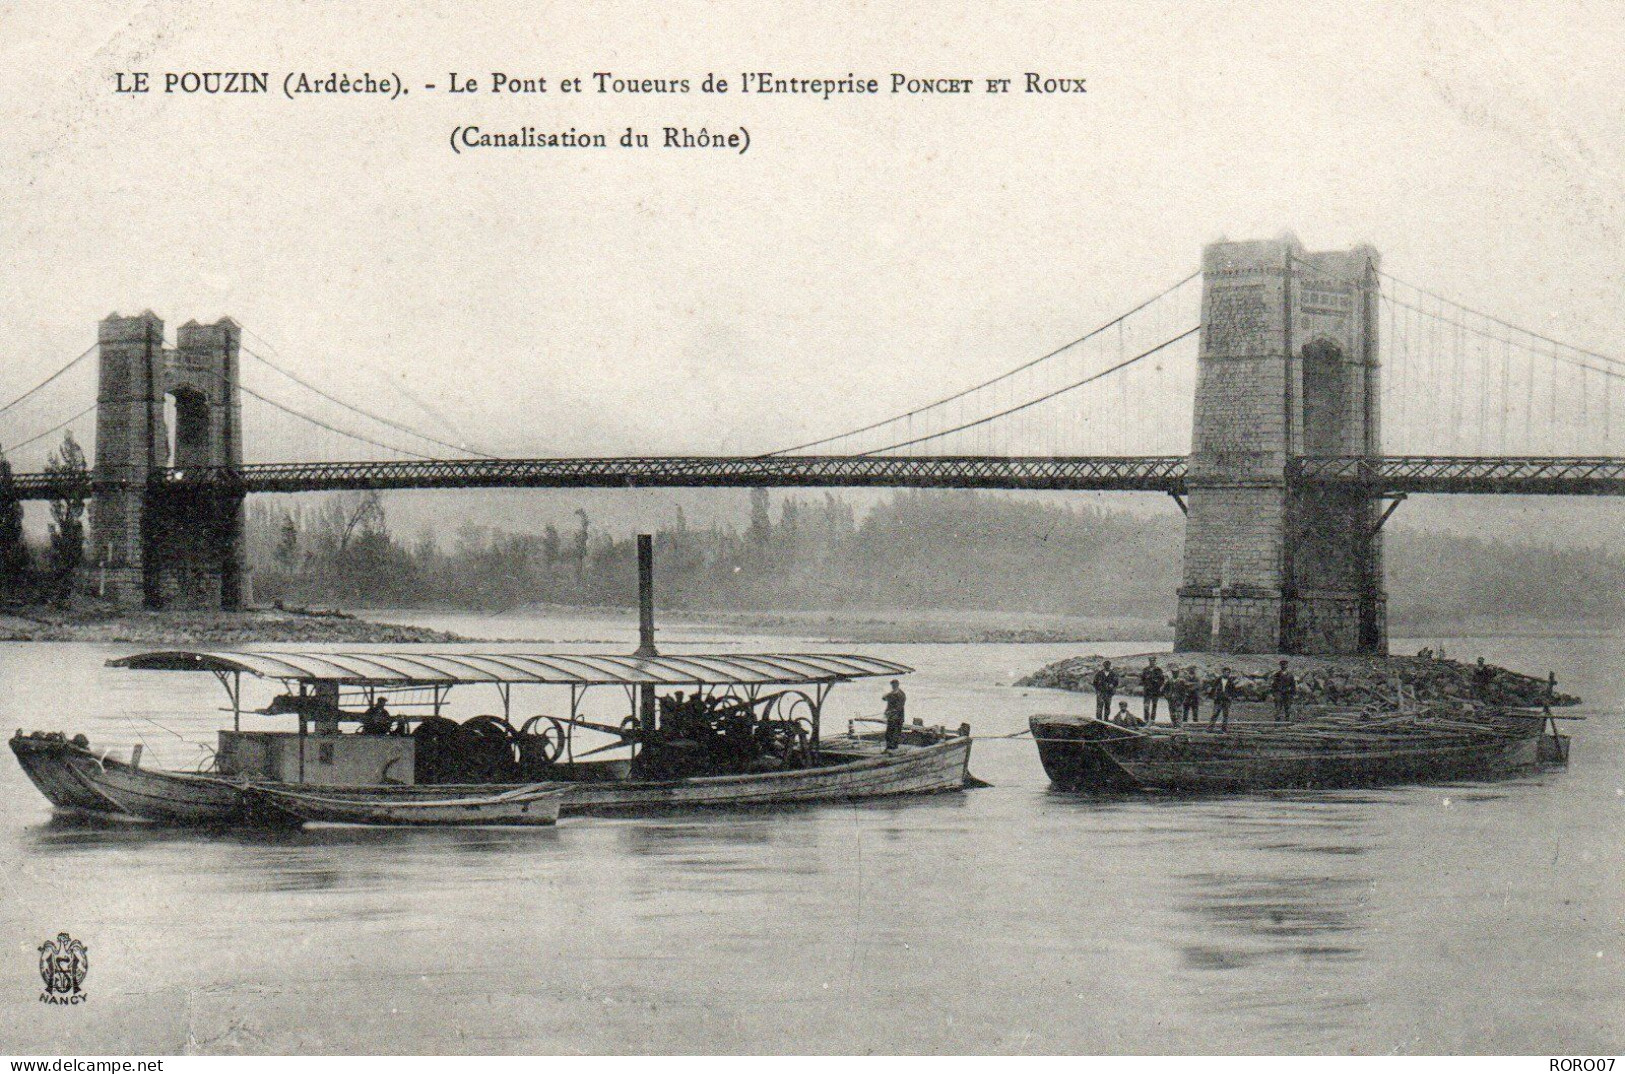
(865, 255)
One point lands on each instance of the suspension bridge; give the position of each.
(1288, 400)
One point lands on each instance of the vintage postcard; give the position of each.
(728, 529)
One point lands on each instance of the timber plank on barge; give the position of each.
(1325, 749)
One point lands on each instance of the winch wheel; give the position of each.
(541, 746)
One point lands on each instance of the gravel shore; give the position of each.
(224, 629)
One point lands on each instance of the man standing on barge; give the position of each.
(1105, 683)
(1152, 681)
(1224, 691)
(1192, 710)
(1283, 687)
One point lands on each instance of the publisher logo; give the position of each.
(63, 964)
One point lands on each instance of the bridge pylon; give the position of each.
(1288, 368)
(151, 544)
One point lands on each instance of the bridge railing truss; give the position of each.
(1159, 473)
(1528, 475)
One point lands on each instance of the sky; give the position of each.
(865, 255)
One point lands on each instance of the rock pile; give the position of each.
(1337, 680)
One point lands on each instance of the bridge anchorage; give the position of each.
(1285, 488)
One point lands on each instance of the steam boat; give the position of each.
(726, 729)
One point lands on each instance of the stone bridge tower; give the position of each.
(152, 545)
(1288, 368)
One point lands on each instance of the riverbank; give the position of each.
(1335, 680)
(108, 624)
(854, 626)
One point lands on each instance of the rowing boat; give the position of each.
(536, 804)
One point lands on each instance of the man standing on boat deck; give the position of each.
(1192, 711)
(1224, 691)
(1175, 693)
(1283, 687)
(895, 700)
(1105, 683)
(1152, 681)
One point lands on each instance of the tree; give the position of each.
(287, 544)
(550, 546)
(14, 562)
(761, 525)
(68, 514)
(581, 539)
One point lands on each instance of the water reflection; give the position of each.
(1273, 917)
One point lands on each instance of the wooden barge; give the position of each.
(1324, 749)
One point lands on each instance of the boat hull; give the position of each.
(863, 774)
(77, 780)
(1084, 754)
(74, 778)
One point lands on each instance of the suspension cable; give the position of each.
(246, 390)
(352, 407)
(1504, 324)
(53, 429)
(1440, 317)
(88, 352)
(1483, 334)
(1041, 399)
(988, 383)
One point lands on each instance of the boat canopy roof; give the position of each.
(398, 667)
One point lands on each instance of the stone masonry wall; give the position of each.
(1254, 547)
(197, 559)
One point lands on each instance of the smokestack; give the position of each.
(646, 596)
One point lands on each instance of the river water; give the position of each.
(1464, 918)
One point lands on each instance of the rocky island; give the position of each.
(1337, 680)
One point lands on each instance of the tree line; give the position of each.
(917, 549)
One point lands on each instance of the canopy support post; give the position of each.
(236, 701)
(570, 732)
(820, 693)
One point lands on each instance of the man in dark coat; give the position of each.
(1105, 683)
(376, 720)
(1283, 688)
(895, 700)
(1152, 681)
(1193, 698)
(1175, 693)
(1224, 691)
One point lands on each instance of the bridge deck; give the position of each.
(1161, 473)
